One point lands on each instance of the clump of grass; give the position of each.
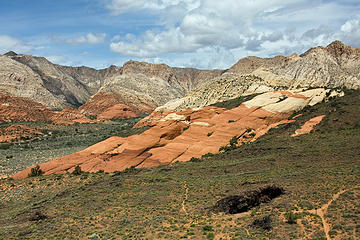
(291, 217)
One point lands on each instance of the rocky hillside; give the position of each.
(136, 83)
(143, 86)
(180, 136)
(334, 66)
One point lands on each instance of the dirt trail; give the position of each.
(185, 198)
(323, 210)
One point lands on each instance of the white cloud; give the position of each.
(207, 32)
(122, 6)
(8, 43)
(89, 38)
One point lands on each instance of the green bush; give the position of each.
(207, 228)
(291, 217)
(35, 171)
(77, 170)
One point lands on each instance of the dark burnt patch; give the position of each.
(243, 203)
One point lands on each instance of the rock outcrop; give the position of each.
(16, 133)
(144, 86)
(117, 111)
(308, 126)
(179, 136)
(19, 109)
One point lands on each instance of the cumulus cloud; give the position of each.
(89, 38)
(8, 43)
(211, 32)
(350, 32)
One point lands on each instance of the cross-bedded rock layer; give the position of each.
(179, 136)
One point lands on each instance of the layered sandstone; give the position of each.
(179, 136)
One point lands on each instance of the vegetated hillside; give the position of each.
(292, 188)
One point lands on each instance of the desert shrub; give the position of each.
(263, 222)
(233, 143)
(207, 228)
(290, 217)
(5, 146)
(77, 170)
(194, 159)
(35, 171)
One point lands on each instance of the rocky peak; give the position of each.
(339, 49)
(10, 54)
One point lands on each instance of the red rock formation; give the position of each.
(19, 109)
(17, 133)
(171, 137)
(308, 126)
(117, 111)
(102, 101)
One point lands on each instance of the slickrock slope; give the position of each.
(179, 136)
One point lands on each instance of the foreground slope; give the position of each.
(318, 171)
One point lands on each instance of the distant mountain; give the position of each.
(143, 86)
(56, 86)
(334, 66)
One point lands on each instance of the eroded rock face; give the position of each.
(179, 136)
(334, 66)
(142, 86)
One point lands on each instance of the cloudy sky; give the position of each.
(204, 34)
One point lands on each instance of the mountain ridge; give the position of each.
(144, 86)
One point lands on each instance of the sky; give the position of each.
(204, 34)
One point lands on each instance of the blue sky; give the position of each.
(185, 33)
